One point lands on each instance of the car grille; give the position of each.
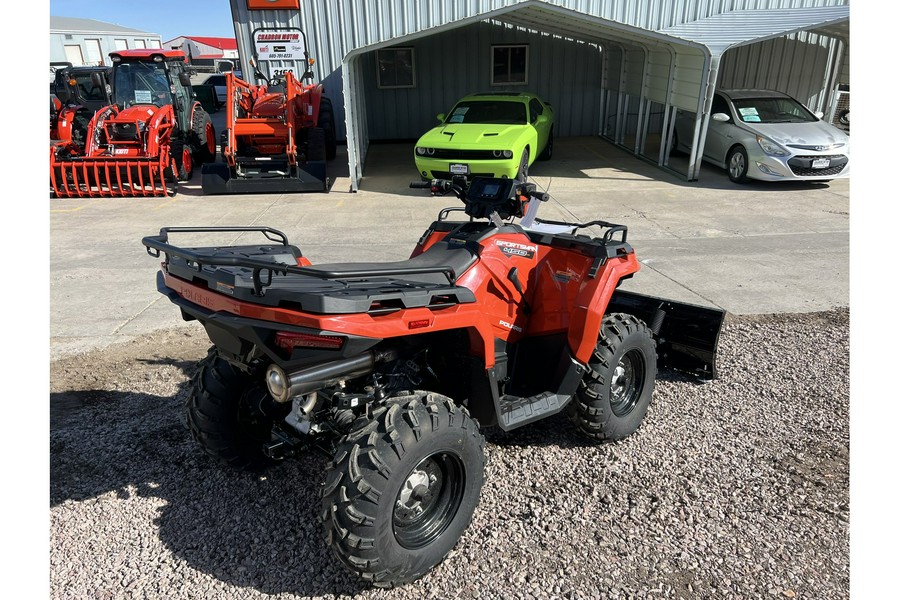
(802, 165)
(463, 154)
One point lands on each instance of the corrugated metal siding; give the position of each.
(658, 70)
(795, 65)
(335, 27)
(458, 62)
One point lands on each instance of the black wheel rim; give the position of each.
(627, 383)
(428, 499)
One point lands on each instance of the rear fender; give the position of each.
(687, 335)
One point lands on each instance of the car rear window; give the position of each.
(494, 111)
(215, 80)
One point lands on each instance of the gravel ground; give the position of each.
(736, 488)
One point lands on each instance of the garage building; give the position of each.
(623, 69)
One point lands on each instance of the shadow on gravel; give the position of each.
(258, 531)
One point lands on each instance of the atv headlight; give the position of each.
(770, 147)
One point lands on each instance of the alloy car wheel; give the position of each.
(737, 164)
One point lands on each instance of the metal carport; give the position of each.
(675, 67)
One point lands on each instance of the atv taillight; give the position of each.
(288, 340)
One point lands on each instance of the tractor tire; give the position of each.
(80, 123)
(522, 174)
(326, 122)
(402, 488)
(315, 144)
(613, 397)
(547, 154)
(183, 158)
(203, 137)
(223, 415)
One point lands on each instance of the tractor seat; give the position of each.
(459, 258)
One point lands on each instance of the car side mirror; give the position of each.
(440, 117)
(721, 117)
(184, 78)
(542, 119)
(819, 114)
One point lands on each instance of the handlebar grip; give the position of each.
(425, 185)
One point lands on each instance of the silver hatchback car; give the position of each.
(768, 135)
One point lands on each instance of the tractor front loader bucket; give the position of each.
(686, 335)
(103, 177)
(218, 178)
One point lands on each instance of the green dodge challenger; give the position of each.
(496, 134)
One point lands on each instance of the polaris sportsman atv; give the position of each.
(393, 368)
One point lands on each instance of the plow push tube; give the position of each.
(687, 335)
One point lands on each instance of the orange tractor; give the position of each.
(278, 136)
(146, 141)
(76, 93)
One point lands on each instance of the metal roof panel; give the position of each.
(740, 27)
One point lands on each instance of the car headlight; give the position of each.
(770, 147)
(420, 150)
(507, 153)
(502, 153)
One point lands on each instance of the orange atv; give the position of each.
(393, 368)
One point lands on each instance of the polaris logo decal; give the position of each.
(516, 249)
(510, 326)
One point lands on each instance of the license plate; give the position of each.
(821, 163)
(459, 169)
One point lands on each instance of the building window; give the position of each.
(396, 68)
(140, 44)
(509, 65)
(121, 44)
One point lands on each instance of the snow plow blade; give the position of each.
(109, 177)
(686, 335)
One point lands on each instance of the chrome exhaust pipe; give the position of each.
(284, 386)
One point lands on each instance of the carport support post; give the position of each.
(350, 122)
(707, 89)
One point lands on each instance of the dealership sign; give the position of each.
(273, 4)
(271, 44)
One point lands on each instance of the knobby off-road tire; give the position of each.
(221, 417)
(203, 137)
(315, 144)
(326, 122)
(402, 488)
(614, 394)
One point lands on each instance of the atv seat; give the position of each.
(458, 258)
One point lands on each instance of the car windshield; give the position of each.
(493, 111)
(772, 110)
(141, 83)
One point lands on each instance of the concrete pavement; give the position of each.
(748, 249)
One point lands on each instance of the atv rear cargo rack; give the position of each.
(271, 275)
